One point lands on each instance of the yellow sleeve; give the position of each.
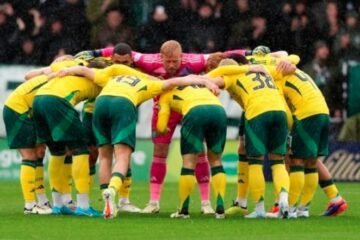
(228, 70)
(164, 112)
(295, 59)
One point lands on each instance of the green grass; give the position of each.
(14, 225)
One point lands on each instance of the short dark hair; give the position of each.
(122, 49)
(239, 58)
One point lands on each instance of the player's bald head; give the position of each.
(170, 47)
(170, 53)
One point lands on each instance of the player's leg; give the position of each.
(122, 158)
(46, 119)
(66, 184)
(215, 141)
(276, 145)
(121, 135)
(255, 135)
(337, 203)
(310, 136)
(40, 191)
(124, 204)
(202, 174)
(21, 135)
(191, 144)
(158, 163)
(239, 205)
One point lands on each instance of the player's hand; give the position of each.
(212, 87)
(62, 73)
(286, 67)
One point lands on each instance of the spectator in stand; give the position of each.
(206, 35)
(326, 76)
(54, 40)
(302, 32)
(9, 32)
(29, 53)
(183, 16)
(333, 23)
(239, 22)
(76, 27)
(260, 34)
(113, 31)
(156, 31)
(347, 42)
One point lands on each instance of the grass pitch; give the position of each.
(14, 225)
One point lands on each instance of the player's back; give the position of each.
(22, 97)
(304, 97)
(183, 99)
(255, 92)
(74, 89)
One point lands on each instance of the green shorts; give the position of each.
(56, 120)
(20, 129)
(206, 122)
(114, 121)
(266, 133)
(87, 119)
(310, 137)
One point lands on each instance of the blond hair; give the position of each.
(168, 47)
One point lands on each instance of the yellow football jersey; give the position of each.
(182, 100)
(303, 96)
(123, 81)
(255, 92)
(21, 99)
(71, 88)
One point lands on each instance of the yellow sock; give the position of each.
(329, 188)
(280, 176)
(39, 176)
(218, 181)
(256, 180)
(243, 177)
(186, 186)
(310, 185)
(126, 186)
(55, 172)
(66, 184)
(297, 180)
(116, 181)
(27, 179)
(80, 173)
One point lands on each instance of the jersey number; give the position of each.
(263, 80)
(305, 78)
(131, 80)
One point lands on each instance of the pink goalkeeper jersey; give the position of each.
(151, 63)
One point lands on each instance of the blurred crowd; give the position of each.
(323, 33)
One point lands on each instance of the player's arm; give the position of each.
(89, 54)
(235, 69)
(77, 71)
(191, 80)
(164, 113)
(279, 54)
(37, 72)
